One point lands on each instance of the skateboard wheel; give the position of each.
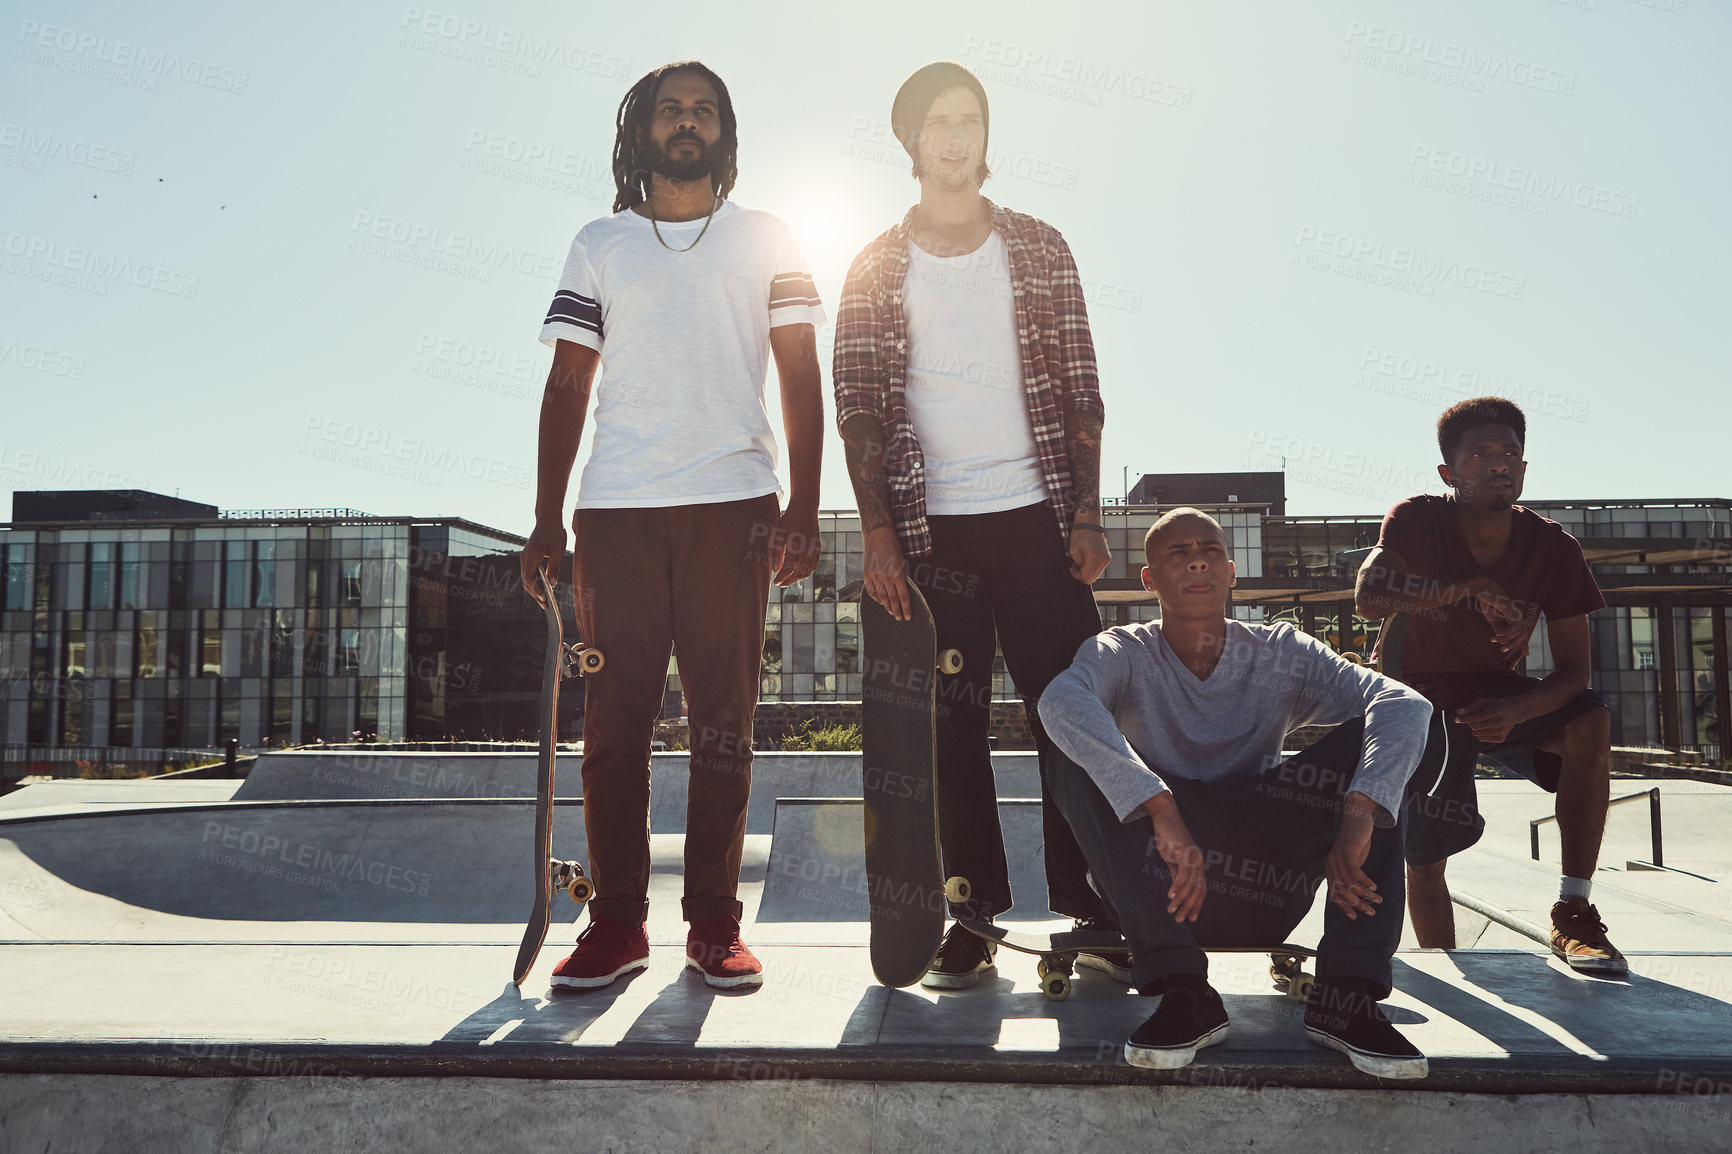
(591, 660)
(1300, 989)
(950, 661)
(1056, 987)
(957, 890)
(580, 888)
(1282, 970)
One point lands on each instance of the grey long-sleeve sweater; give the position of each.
(1127, 711)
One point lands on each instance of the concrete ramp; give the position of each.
(334, 775)
(817, 869)
(384, 862)
(307, 775)
(71, 794)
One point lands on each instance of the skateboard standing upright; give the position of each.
(904, 876)
(561, 661)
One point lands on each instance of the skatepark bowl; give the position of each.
(319, 956)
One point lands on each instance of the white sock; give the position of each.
(1569, 887)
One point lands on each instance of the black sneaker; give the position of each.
(1189, 1017)
(1341, 1014)
(961, 960)
(1114, 962)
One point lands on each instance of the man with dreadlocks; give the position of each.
(681, 297)
(969, 407)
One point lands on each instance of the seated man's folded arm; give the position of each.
(1079, 709)
(1397, 719)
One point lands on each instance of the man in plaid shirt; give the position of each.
(970, 409)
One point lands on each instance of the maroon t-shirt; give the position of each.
(1449, 650)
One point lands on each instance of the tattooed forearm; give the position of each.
(1082, 444)
(863, 446)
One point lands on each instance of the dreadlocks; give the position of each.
(631, 176)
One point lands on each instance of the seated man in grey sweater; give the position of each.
(1198, 834)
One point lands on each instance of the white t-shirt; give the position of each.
(684, 339)
(965, 395)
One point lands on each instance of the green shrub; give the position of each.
(807, 738)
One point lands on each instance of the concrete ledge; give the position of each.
(1101, 1066)
(148, 1114)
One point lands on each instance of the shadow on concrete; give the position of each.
(555, 1014)
(385, 861)
(1627, 1015)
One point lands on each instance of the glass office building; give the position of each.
(167, 624)
(1658, 649)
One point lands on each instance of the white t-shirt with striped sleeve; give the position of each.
(684, 339)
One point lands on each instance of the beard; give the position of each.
(662, 164)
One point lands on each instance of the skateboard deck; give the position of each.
(1057, 953)
(560, 661)
(904, 877)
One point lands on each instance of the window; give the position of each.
(1641, 637)
(129, 576)
(144, 646)
(265, 573)
(234, 574)
(211, 645)
(101, 575)
(16, 560)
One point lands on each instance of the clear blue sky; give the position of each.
(298, 256)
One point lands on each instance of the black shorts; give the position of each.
(1443, 815)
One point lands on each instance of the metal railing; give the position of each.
(1653, 796)
(340, 514)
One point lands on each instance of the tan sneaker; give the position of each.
(1579, 938)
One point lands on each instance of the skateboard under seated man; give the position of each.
(1198, 834)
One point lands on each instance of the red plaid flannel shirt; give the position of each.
(870, 373)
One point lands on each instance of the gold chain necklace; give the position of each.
(715, 201)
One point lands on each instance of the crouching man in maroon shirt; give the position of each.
(1474, 572)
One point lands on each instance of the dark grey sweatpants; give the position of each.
(1265, 841)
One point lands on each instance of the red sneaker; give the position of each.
(605, 950)
(714, 949)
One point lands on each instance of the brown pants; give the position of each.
(694, 579)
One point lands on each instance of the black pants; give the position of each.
(1264, 841)
(1002, 580)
